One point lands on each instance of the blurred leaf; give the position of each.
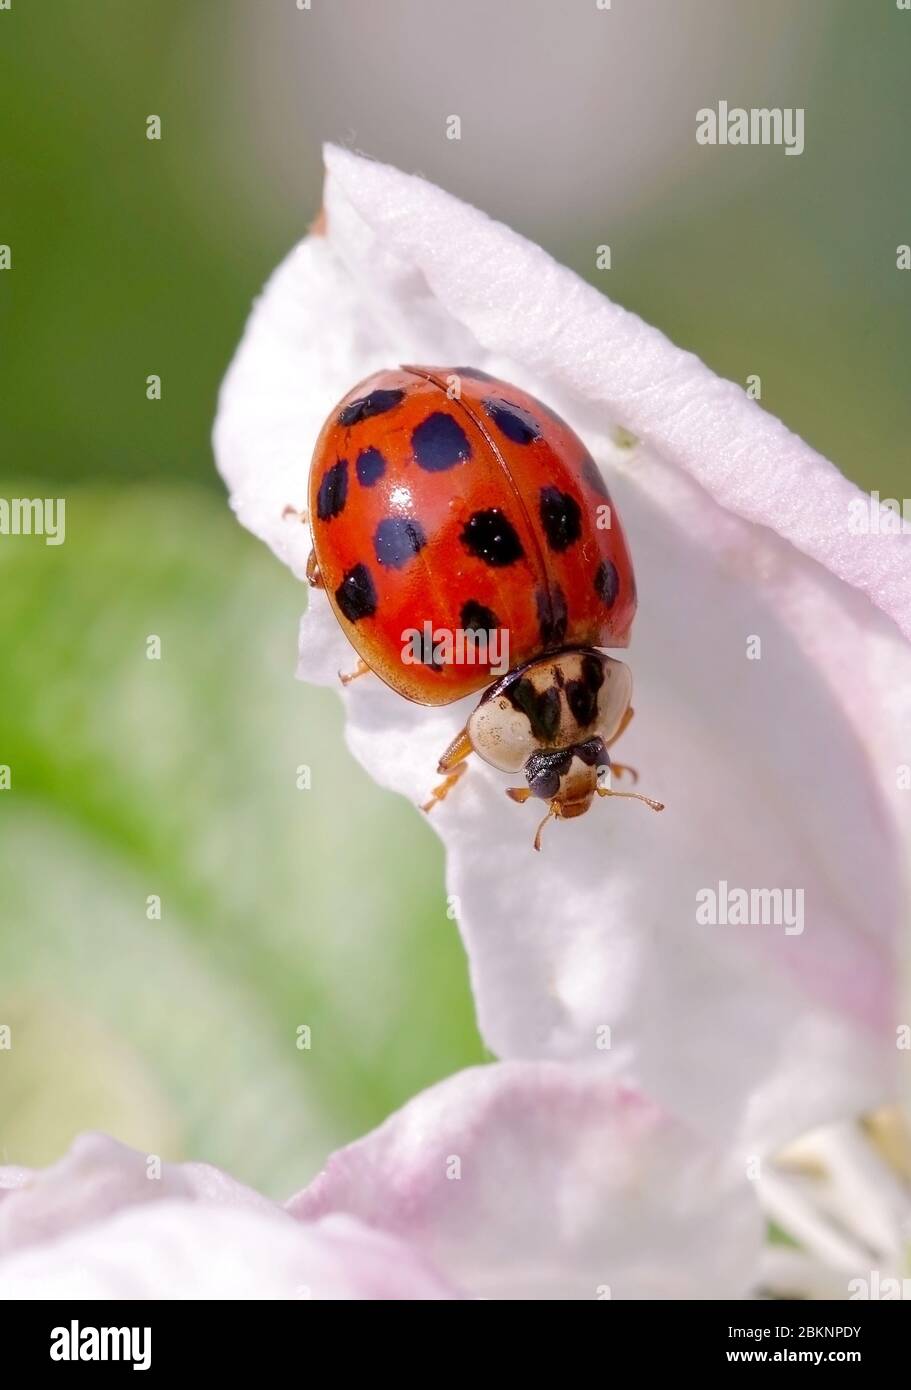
(65, 1071)
(177, 777)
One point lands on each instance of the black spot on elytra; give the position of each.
(370, 466)
(376, 403)
(474, 373)
(333, 491)
(397, 540)
(541, 710)
(476, 618)
(582, 694)
(552, 616)
(594, 477)
(607, 583)
(561, 517)
(356, 595)
(512, 420)
(439, 442)
(491, 536)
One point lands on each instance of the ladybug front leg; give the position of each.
(454, 766)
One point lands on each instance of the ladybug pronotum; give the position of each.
(444, 501)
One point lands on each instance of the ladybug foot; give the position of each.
(294, 511)
(623, 770)
(361, 669)
(440, 792)
(314, 578)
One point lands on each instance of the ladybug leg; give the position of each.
(361, 669)
(294, 511)
(440, 792)
(453, 766)
(624, 725)
(621, 769)
(314, 578)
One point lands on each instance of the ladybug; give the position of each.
(466, 541)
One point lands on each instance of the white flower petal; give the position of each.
(97, 1177)
(778, 773)
(184, 1250)
(12, 1176)
(100, 1224)
(520, 304)
(546, 1180)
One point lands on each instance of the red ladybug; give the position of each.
(462, 531)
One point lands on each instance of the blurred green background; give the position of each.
(177, 778)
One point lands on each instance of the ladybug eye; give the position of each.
(543, 772)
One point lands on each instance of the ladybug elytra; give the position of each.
(445, 504)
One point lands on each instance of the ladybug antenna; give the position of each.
(551, 812)
(633, 796)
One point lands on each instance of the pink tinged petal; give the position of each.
(779, 773)
(542, 1180)
(99, 1176)
(180, 1249)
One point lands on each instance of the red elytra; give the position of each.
(444, 501)
(427, 507)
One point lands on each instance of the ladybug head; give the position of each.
(567, 776)
(553, 719)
